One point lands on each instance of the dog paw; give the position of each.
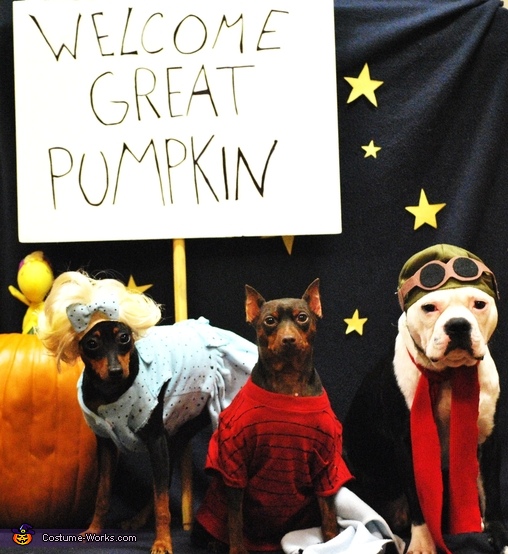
(420, 550)
(91, 531)
(161, 547)
(421, 541)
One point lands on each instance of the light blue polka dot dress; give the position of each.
(203, 365)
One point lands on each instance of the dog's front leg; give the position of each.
(159, 458)
(107, 454)
(329, 524)
(235, 520)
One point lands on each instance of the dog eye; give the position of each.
(480, 304)
(428, 308)
(124, 338)
(302, 317)
(270, 320)
(91, 344)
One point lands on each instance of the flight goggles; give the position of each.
(435, 274)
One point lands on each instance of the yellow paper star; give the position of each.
(131, 285)
(371, 149)
(288, 242)
(363, 85)
(425, 212)
(355, 323)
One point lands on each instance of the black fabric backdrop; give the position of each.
(442, 124)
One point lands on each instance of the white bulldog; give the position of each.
(433, 406)
(443, 329)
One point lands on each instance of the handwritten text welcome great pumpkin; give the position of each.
(145, 95)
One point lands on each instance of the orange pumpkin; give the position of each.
(48, 469)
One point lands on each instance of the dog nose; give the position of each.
(458, 330)
(288, 339)
(457, 326)
(115, 372)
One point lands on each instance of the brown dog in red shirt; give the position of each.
(280, 428)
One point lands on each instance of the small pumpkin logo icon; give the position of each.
(23, 535)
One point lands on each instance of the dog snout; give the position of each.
(459, 330)
(457, 327)
(115, 371)
(288, 339)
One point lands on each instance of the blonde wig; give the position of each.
(76, 289)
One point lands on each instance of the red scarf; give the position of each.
(465, 513)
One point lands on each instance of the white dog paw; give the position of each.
(421, 541)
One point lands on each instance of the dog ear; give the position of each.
(253, 303)
(313, 299)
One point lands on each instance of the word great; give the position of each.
(175, 100)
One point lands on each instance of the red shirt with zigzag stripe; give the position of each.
(284, 451)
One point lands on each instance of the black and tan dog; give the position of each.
(143, 387)
(277, 452)
(111, 367)
(412, 432)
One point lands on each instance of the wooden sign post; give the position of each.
(181, 313)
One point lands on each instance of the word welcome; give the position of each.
(189, 35)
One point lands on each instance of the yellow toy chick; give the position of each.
(35, 278)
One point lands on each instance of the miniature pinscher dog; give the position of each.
(285, 330)
(111, 366)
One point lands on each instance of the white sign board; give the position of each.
(168, 119)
